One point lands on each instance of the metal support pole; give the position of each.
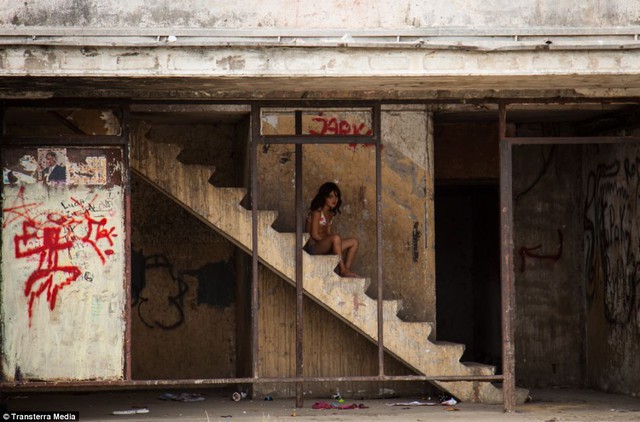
(255, 134)
(378, 136)
(299, 269)
(126, 148)
(507, 275)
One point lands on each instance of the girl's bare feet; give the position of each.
(348, 273)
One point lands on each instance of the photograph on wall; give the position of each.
(52, 164)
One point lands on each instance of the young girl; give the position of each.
(324, 207)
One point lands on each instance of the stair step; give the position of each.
(231, 195)
(266, 219)
(476, 368)
(199, 173)
(457, 347)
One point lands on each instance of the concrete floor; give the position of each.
(547, 405)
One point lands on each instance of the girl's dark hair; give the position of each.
(324, 191)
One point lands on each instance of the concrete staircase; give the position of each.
(220, 208)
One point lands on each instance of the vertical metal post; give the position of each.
(255, 134)
(377, 133)
(507, 275)
(299, 269)
(124, 133)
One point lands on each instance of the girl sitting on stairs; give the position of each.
(324, 207)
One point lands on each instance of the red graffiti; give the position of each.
(529, 252)
(45, 235)
(333, 126)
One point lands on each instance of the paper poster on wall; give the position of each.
(57, 167)
(63, 263)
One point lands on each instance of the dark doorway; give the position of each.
(467, 224)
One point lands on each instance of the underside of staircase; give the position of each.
(220, 208)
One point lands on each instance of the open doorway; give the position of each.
(468, 270)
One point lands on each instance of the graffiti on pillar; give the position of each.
(533, 253)
(611, 241)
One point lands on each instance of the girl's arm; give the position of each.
(315, 226)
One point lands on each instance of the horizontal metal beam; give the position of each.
(6, 385)
(326, 139)
(574, 140)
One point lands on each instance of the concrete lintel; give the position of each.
(318, 62)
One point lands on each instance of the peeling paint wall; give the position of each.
(611, 186)
(63, 263)
(329, 14)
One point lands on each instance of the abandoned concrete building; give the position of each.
(159, 160)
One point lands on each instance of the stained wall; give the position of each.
(330, 14)
(549, 278)
(611, 241)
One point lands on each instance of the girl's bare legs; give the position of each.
(334, 244)
(350, 247)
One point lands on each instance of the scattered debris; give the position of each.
(413, 403)
(268, 398)
(450, 402)
(238, 395)
(183, 397)
(325, 405)
(134, 411)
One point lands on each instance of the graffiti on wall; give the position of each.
(159, 290)
(45, 235)
(533, 253)
(611, 238)
(322, 125)
(55, 228)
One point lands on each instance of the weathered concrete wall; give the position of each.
(611, 241)
(329, 14)
(63, 263)
(550, 322)
(184, 315)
